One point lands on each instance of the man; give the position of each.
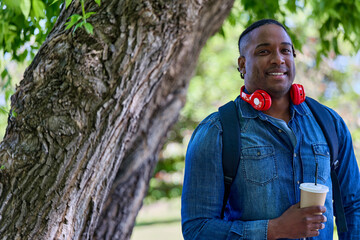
(280, 146)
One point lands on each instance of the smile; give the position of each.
(276, 74)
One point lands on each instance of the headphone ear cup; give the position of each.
(259, 100)
(264, 100)
(297, 94)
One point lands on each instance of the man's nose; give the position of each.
(277, 58)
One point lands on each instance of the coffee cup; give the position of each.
(312, 195)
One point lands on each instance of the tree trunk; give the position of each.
(92, 113)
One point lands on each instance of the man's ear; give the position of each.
(241, 64)
(294, 53)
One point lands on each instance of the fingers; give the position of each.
(310, 220)
(315, 209)
(314, 219)
(317, 226)
(322, 226)
(314, 233)
(313, 230)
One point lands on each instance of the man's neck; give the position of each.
(280, 108)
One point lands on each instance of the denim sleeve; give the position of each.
(203, 190)
(349, 178)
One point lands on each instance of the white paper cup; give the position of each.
(312, 195)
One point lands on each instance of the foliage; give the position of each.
(30, 21)
(80, 20)
(337, 20)
(167, 180)
(25, 21)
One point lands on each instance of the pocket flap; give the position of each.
(321, 149)
(257, 152)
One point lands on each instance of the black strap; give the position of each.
(231, 147)
(324, 119)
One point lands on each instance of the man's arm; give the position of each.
(203, 190)
(349, 178)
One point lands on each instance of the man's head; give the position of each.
(267, 58)
(244, 37)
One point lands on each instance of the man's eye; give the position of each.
(263, 51)
(286, 50)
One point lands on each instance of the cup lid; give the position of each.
(311, 187)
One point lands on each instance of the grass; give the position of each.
(159, 221)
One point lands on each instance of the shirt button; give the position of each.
(280, 130)
(298, 182)
(294, 154)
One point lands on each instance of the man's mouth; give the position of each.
(277, 73)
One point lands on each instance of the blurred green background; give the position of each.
(329, 69)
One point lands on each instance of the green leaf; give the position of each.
(25, 6)
(3, 111)
(334, 13)
(8, 93)
(87, 15)
(73, 20)
(325, 44)
(55, 1)
(291, 5)
(80, 24)
(232, 19)
(9, 40)
(23, 55)
(68, 2)
(221, 32)
(89, 28)
(98, 2)
(2, 31)
(13, 114)
(12, 5)
(4, 73)
(335, 46)
(38, 8)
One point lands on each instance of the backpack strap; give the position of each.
(231, 146)
(324, 119)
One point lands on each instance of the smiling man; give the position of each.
(281, 143)
(267, 63)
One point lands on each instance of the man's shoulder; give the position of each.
(212, 120)
(332, 112)
(207, 130)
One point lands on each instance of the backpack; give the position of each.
(232, 146)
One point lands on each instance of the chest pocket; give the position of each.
(258, 164)
(322, 157)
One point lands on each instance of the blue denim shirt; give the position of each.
(268, 177)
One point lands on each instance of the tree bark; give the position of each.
(91, 115)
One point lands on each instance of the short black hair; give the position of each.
(256, 25)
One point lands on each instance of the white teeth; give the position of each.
(276, 74)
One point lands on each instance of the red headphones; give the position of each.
(261, 100)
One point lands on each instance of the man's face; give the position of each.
(268, 62)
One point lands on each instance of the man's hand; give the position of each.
(297, 222)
